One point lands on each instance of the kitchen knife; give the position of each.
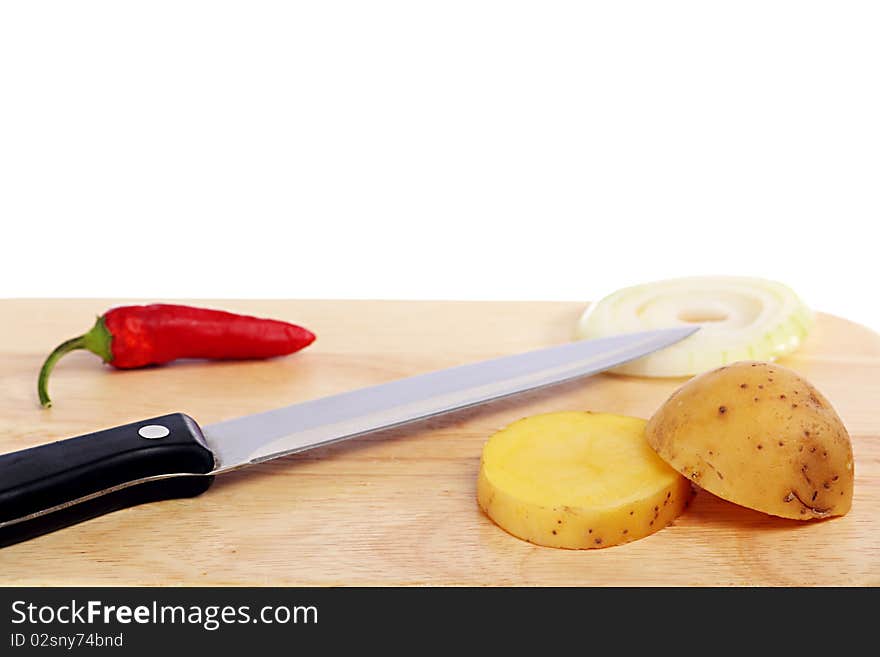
(59, 484)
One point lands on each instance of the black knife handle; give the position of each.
(52, 486)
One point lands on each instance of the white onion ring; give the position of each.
(740, 319)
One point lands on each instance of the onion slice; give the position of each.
(740, 319)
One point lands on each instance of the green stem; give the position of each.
(97, 340)
(62, 349)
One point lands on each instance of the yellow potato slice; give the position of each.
(578, 480)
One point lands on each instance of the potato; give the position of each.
(759, 435)
(578, 480)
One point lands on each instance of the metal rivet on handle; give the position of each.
(153, 431)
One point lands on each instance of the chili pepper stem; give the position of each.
(46, 370)
(97, 340)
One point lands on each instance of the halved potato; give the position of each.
(759, 435)
(578, 480)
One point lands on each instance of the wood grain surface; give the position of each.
(399, 507)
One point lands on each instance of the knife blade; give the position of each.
(263, 436)
(55, 485)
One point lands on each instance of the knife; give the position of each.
(62, 483)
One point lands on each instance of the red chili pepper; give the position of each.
(136, 336)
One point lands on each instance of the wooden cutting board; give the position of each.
(398, 507)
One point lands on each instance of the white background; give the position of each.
(486, 150)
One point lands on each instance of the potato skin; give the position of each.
(578, 528)
(761, 436)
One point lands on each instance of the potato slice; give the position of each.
(578, 480)
(761, 436)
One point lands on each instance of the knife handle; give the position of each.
(60, 484)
